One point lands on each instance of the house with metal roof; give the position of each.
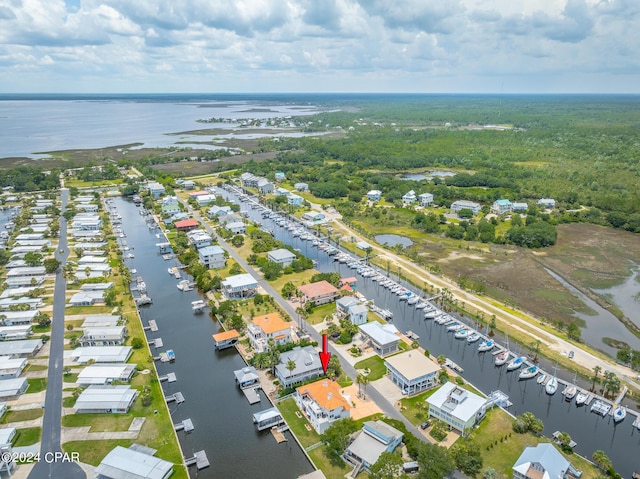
(99, 354)
(106, 373)
(412, 372)
(199, 238)
(308, 366)
(294, 200)
(103, 336)
(409, 198)
(101, 321)
(22, 281)
(268, 327)
(11, 368)
(459, 408)
(217, 211)
(460, 205)
(236, 227)
(543, 461)
(106, 399)
(349, 307)
(265, 186)
(155, 189)
(246, 377)
(322, 403)
(301, 186)
(136, 462)
(86, 298)
(212, 257)
(374, 195)
(374, 438)
(16, 318)
(26, 271)
(11, 303)
(281, 256)
(267, 418)
(13, 387)
(20, 349)
(425, 199)
(239, 286)
(382, 339)
(548, 203)
(501, 207)
(12, 333)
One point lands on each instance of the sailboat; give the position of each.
(571, 390)
(528, 373)
(552, 385)
(619, 413)
(486, 346)
(502, 357)
(515, 363)
(542, 378)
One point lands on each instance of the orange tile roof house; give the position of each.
(322, 403)
(266, 327)
(186, 225)
(321, 292)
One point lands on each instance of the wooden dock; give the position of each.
(153, 327)
(278, 434)
(252, 395)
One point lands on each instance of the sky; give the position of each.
(236, 46)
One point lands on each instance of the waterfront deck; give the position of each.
(252, 395)
(199, 460)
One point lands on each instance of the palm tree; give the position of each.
(596, 371)
(362, 380)
(291, 365)
(564, 439)
(601, 460)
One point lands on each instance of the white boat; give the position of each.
(542, 378)
(431, 314)
(529, 373)
(421, 305)
(515, 363)
(461, 334)
(501, 358)
(619, 413)
(552, 386)
(198, 306)
(170, 271)
(413, 299)
(185, 285)
(455, 327)
(581, 398)
(486, 346)
(473, 337)
(571, 389)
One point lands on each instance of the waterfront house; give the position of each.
(217, 211)
(24, 348)
(120, 462)
(425, 199)
(412, 372)
(249, 179)
(155, 189)
(105, 399)
(547, 203)
(308, 366)
(239, 286)
(99, 354)
(247, 377)
(226, 339)
(294, 200)
(11, 368)
(374, 195)
(374, 438)
(96, 286)
(267, 419)
(11, 388)
(409, 198)
(301, 186)
(543, 461)
(382, 339)
(101, 321)
(87, 298)
(232, 218)
(322, 403)
(93, 271)
(313, 216)
(459, 205)
(103, 336)
(268, 327)
(265, 186)
(501, 207)
(320, 292)
(186, 225)
(350, 307)
(212, 257)
(199, 238)
(236, 227)
(281, 256)
(458, 408)
(105, 373)
(87, 259)
(169, 205)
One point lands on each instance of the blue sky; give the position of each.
(510, 46)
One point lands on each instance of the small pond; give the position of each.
(393, 240)
(426, 175)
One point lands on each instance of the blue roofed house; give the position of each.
(280, 176)
(308, 366)
(375, 438)
(501, 207)
(543, 461)
(295, 200)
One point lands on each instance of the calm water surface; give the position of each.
(392, 240)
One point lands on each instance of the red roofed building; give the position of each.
(193, 194)
(321, 292)
(186, 225)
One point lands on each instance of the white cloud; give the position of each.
(345, 45)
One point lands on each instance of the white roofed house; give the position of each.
(92, 271)
(547, 203)
(381, 338)
(412, 372)
(22, 281)
(101, 321)
(99, 354)
(236, 227)
(106, 399)
(374, 195)
(212, 257)
(87, 298)
(425, 199)
(12, 333)
(239, 286)
(23, 348)
(137, 462)
(282, 192)
(519, 207)
(543, 461)
(105, 373)
(26, 271)
(322, 403)
(11, 368)
(217, 211)
(155, 189)
(10, 388)
(308, 366)
(375, 438)
(15, 318)
(31, 303)
(301, 186)
(281, 256)
(205, 200)
(85, 260)
(457, 407)
(460, 205)
(199, 238)
(265, 186)
(409, 198)
(103, 336)
(169, 205)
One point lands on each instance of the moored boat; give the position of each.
(461, 334)
(542, 378)
(486, 346)
(529, 373)
(619, 413)
(581, 398)
(455, 327)
(502, 358)
(473, 337)
(552, 386)
(515, 363)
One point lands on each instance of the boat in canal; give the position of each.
(473, 337)
(171, 355)
(455, 327)
(529, 373)
(542, 378)
(515, 363)
(571, 390)
(619, 413)
(581, 398)
(552, 386)
(461, 334)
(198, 306)
(486, 346)
(501, 358)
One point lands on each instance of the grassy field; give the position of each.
(36, 385)
(415, 408)
(22, 415)
(27, 436)
(306, 435)
(376, 366)
(100, 422)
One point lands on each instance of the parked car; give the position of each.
(425, 425)
(571, 354)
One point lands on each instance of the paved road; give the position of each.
(52, 464)
(382, 402)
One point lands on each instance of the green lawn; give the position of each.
(330, 470)
(36, 385)
(36, 367)
(307, 437)
(320, 312)
(27, 436)
(70, 310)
(415, 408)
(376, 366)
(68, 401)
(22, 415)
(70, 378)
(99, 422)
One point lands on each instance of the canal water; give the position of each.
(220, 413)
(591, 432)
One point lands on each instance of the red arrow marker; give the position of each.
(324, 354)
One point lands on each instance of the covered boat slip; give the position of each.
(226, 339)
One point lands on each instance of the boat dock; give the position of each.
(169, 377)
(620, 397)
(252, 395)
(153, 327)
(156, 343)
(278, 433)
(178, 398)
(601, 407)
(199, 460)
(451, 365)
(186, 426)
(556, 435)
(636, 422)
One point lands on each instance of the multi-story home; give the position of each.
(458, 408)
(266, 328)
(212, 257)
(322, 404)
(103, 336)
(460, 205)
(425, 199)
(409, 198)
(374, 195)
(320, 292)
(501, 207)
(308, 366)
